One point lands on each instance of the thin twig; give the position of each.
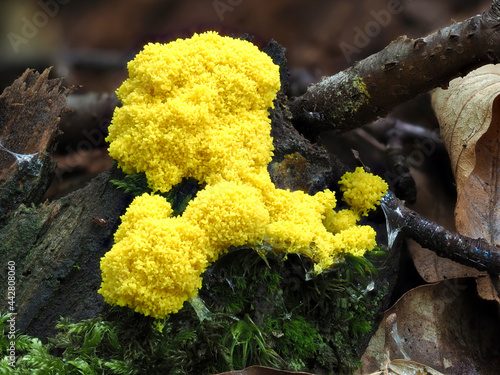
(475, 253)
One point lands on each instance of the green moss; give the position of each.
(135, 184)
(247, 344)
(121, 343)
(358, 96)
(305, 321)
(261, 312)
(179, 196)
(21, 233)
(18, 239)
(295, 339)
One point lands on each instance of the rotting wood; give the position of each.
(30, 111)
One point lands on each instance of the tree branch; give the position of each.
(475, 253)
(403, 70)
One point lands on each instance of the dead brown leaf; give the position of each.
(465, 112)
(469, 118)
(477, 213)
(405, 367)
(444, 326)
(487, 287)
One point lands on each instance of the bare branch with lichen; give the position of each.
(403, 70)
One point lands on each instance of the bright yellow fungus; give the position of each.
(362, 191)
(196, 107)
(199, 108)
(155, 266)
(337, 221)
(228, 214)
(177, 250)
(144, 207)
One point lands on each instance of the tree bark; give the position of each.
(403, 70)
(57, 249)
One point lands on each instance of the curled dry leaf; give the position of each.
(464, 112)
(477, 213)
(445, 327)
(469, 117)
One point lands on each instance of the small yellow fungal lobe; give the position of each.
(156, 266)
(356, 240)
(296, 221)
(336, 222)
(195, 107)
(362, 190)
(143, 207)
(228, 214)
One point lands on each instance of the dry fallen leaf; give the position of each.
(405, 367)
(477, 213)
(469, 116)
(443, 326)
(464, 112)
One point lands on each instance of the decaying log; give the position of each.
(55, 247)
(29, 119)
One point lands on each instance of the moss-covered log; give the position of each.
(57, 246)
